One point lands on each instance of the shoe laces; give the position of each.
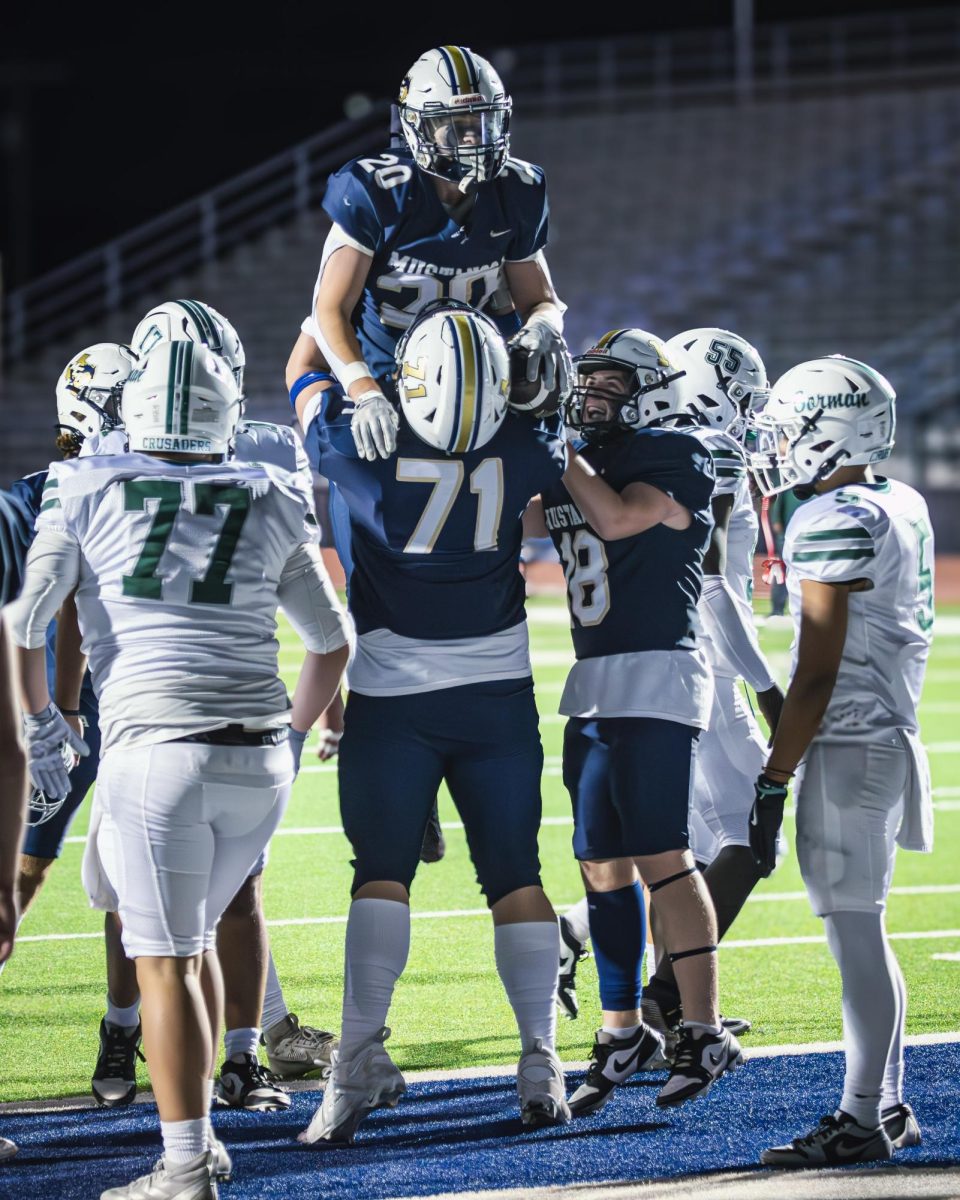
(686, 1052)
(310, 1036)
(827, 1127)
(119, 1053)
(259, 1074)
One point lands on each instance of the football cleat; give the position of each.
(660, 1011)
(837, 1140)
(902, 1128)
(356, 1087)
(612, 1062)
(434, 845)
(191, 1180)
(701, 1058)
(114, 1081)
(247, 1084)
(221, 1164)
(294, 1050)
(7, 1149)
(572, 951)
(541, 1088)
(736, 1025)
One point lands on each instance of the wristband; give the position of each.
(777, 771)
(305, 381)
(70, 712)
(351, 372)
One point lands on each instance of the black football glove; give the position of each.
(766, 817)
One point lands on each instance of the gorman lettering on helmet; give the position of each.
(838, 400)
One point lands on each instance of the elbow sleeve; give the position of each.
(312, 606)
(729, 624)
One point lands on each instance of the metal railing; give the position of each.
(194, 233)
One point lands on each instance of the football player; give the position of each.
(253, 995)
(631, 522)
(179, 559)
(859, 557)
(16, 531)
(440, 689)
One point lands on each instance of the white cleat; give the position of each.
(295, 1050)
(192, 1180)
(221, 1163)
(7, 1149)
(356, 1087)
(541, 1088)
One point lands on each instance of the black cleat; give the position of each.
(902, 1128)
(836, 1141)
(247, 1084)
(114, 1081)
(736, 1025)
(572, 951)
(612, 1062)
(701, 1058)
(434, 845)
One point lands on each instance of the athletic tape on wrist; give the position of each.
(350, 373)
(655, 887)
(690, 953)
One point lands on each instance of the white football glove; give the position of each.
(48, 735)
(374, 426)
(545, 346)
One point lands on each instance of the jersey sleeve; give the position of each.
(16, 534)
(835, 542)
(297, 491)
(527, 198)
(350, 204)
(729, 467)
(676, 464)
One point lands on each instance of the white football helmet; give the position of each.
(184, 399)
(453, 377)
(455, 115)
(725, 379)
(823, 414)
(89, 391)
(652, 394)
(193, 321)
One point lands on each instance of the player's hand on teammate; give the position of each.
(374, 426)
(52, 750)
(766, 817)
(770, 704)
(547, 352)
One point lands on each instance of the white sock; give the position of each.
(624, 1031)
(125, 1018)
(274, 1005)
(183, 1140)
(871, 1008)
(578, 918)
(377, 945)
(238, 1042)
(893, 1074)
(528, 956)
(714, 1029)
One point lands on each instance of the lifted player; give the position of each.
(859, 559)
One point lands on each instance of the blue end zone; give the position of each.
(466, 1134)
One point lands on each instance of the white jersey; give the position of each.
(180, 566)
(879, 532)
(278, 445)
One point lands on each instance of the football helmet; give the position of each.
(453, 377)
(42, 808)
(823, 414)
(184, 399)
(651, 397)
(725, 379)
(455, 115)
(89, 391)
(193, 321)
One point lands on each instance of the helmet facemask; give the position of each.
(465, 143)
(627, 416)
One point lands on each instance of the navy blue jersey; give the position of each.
(390, 207)
(16, 533)
(641, 592)
(435, 537)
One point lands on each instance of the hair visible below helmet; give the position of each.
(652, 395)
(455, 115)
(823, 414)
(725, 380)
(89, 391)
(453, 377)
(194, 321)
(184, 399)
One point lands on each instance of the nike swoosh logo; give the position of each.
(714, 1060)
(500, 233)
(622, 1064)
(846, 1148)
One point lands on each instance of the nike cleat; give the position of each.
(193, 1180)
(244, 1083)
(114, 1081)
(661, 1012)
(902, 1128)
(736, 1025)
(294, 1050)
(541, 1088)
(221, 1164)
(701, 1058)
(369, 1080)
(612, 1062)
(836, 1141)
(7, 1149)
(572, 951)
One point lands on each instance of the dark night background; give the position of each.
(110, 115)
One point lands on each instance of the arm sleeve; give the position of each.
(529, 200)
(728, 622)
(311, 604)
(53, 569)
(835, 543)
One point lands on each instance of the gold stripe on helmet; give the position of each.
(607, 338)
(461, 69)
(468, 402)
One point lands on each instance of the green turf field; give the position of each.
(449, 1009)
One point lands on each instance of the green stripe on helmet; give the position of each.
(186, 375)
